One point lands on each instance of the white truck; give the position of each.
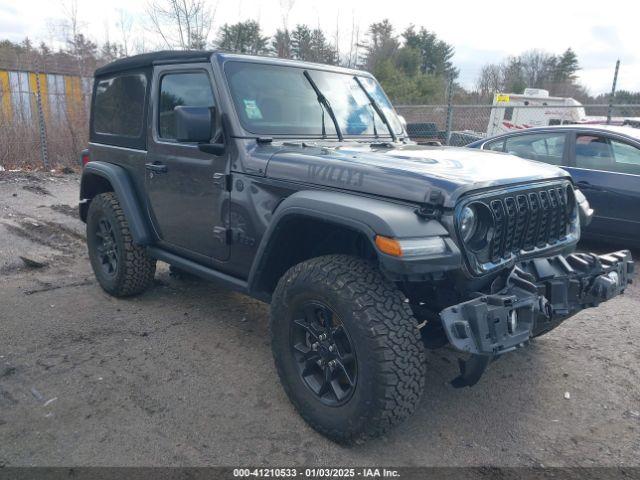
(535, 108)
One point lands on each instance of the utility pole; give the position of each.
(613, 92)
(447, 134)
(42, 123)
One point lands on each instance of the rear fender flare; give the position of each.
(123, 188)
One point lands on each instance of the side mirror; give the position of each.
(194, 124)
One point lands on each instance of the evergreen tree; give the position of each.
(322, 51)
(566, 66)
(436, 54)
(243, 37)
(312, 46)
(301, 43)
(281, 44)
(381, 44)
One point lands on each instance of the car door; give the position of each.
(186, 193)
(606, 168)
(547, 147)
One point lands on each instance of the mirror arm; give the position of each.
(213, 148)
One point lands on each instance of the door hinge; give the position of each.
(223, 235)
(222, 180)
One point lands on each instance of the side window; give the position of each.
(627, 157)
(543, 147)
(594, 152)
(118, 106)
(181, 89)
(497, 146)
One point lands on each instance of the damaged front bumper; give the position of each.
(533, 298)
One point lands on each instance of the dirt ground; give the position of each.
(183, 374)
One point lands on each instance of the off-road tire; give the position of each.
(390, 353)
(135, 270)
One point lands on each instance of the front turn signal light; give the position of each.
(411, 247)
(387, 245)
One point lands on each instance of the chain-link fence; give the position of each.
(44, 116)
(43, 119)
(460, 125)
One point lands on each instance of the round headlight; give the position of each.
(468, 223)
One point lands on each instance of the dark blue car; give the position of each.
(604, 162)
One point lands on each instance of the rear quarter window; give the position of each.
(118, 112)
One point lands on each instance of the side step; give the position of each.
(201, 271)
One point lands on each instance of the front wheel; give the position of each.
(347, 347)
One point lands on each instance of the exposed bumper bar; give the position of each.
(534, 297)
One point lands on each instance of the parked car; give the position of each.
(604, 162)
(295, 183)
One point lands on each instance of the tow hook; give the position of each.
(471, 370)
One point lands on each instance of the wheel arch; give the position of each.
(101, 177)
(308, 224)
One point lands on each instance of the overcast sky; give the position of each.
(481, 31)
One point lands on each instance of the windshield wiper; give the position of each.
(377, 108)
(324, 103)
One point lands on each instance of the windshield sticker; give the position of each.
(252, 110)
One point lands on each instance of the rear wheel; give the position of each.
(347, 347)
(121, 267)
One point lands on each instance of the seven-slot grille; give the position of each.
(528, 220)
(519, 219)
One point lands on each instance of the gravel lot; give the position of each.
(183, 374)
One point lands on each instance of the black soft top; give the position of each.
(145, 60)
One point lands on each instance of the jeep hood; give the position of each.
(407, 172)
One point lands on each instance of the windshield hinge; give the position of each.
(430, 212)
(432, 208)
(382, 145)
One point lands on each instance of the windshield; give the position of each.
(279, 100)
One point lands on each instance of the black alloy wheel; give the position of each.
(106, 246)
(324, 353)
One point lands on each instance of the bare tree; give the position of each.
(352, 60)
(71, 23)
(285, 8)
(125, 25)
(490, 80)
(184, 24)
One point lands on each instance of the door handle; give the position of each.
(156, 167)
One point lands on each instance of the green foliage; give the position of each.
(566, 66)
(381, 44)
(243, 37)
(415, 71)
(409, 61)
(312, 46)
(435, 54)
(405, 89)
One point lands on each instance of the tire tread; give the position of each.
(390, 328)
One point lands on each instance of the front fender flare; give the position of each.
(369, 216)
(124, 190)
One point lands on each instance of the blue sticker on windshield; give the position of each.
(252, 110)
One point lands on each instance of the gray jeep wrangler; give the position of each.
(296, 184)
